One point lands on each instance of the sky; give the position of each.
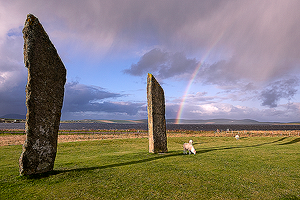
(234, 59)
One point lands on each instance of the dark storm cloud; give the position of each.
(12, 74)
(163, 64)
(83, 98)
(283, 89)
(13, 100)
(78, 95)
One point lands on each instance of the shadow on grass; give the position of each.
(240, 147)
(157, 157)
(38, 176)
(55, 172)
(291, 142)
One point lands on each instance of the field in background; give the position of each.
(223, 168)
(17, 137)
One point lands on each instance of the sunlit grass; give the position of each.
(223, 168)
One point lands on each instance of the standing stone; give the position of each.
(44, 99)
(156, 116)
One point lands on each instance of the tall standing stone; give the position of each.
(44, 99)
(156, 116)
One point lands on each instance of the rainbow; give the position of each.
(186, 93)
(196, 71)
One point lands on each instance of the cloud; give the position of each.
(13, 74)
(252, 40)
(260, 37)
(282, 89)
(283, 113)
(258, 40)
(218, 74)
(11, 65)
(13, 99)
(240, 104)
(163, 64)
(82, 99)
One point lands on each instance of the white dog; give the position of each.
(237, 137)
(188, 147)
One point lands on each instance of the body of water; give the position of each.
(195, 127)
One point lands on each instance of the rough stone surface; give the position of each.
(156, 116)
(44, 99)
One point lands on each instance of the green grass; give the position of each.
(223, 168)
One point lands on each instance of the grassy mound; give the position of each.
(223, 168)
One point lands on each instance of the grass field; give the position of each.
(223, 168)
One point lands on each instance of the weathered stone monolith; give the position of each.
(156, 116)
(44, 99)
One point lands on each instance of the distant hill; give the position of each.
(217, 121)
(169, 121)
(13, 116)
(173, 121)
